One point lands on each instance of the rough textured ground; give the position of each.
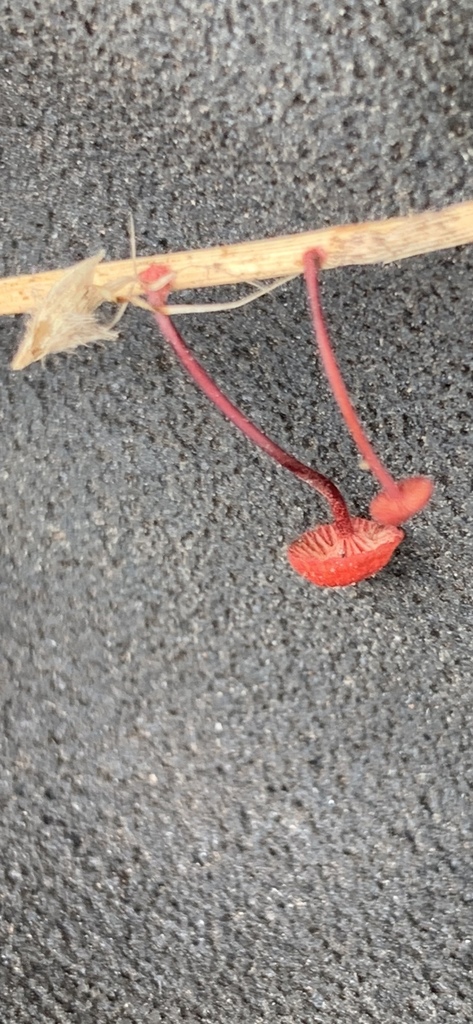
(228, 796)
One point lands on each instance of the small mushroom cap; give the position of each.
(413, 495)
(325, 557)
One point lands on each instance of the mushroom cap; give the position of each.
(413, 494)
(329, 559)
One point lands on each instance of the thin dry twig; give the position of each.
(382, 241)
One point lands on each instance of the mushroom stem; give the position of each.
(312, 262)
(310, 476)
(398, 500)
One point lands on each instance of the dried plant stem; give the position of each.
(380, 241)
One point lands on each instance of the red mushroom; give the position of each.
(329, 558)
(397, 501)
(332, 555)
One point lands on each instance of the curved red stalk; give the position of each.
(398, 501)
(333, 554)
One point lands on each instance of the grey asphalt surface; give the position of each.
(226, 795)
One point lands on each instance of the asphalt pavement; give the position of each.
(227, 795)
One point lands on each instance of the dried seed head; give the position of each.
(66, 317)
(327, 558)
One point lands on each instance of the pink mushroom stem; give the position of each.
(310, 476)
(312, 260)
